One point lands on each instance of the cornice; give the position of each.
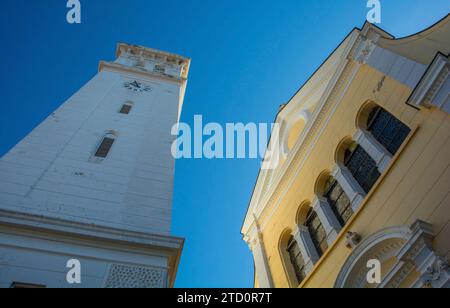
(143, 73)
(95, 232)
(149, 53)
(172, 246)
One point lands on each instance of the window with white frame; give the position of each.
(317, 232)
(338, 201)
(296, 259)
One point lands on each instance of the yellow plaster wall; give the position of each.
(416, 186)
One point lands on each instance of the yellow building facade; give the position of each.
(361, 197)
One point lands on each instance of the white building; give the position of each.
(94, 181)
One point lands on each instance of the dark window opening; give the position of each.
(126, 109)
(105, 147)
(387, 129)
(339, 201)
(317, 232)
(297, 260)
(363, 168)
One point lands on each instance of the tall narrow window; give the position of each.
(105, 146)
(363, 168)
(317, 232)
(338, 200)
(387, 129)
(296, 259)
(126, 108)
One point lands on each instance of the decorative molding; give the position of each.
(140, 52)
(395, 278)
(412, 247)
(365, 251)
(364, 50)
(134, 276)
(49, 224)
(352, 240)
(382, 253)
(435, 78)
(169, 245)
(136, 71)
(437, 271)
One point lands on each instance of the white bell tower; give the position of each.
(94, 181)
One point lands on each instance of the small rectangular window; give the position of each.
(125, 109)
(105, 147)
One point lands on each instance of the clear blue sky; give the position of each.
(248, 58)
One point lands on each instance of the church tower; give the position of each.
(90, 188)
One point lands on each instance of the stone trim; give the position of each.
(328, 218)
(378, 153)
(307, 248)
(416, 254)
(256, 245)
(351, 187)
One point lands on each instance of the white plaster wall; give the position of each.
(51, 172)
(41, 260)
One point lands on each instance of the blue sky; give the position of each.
(248, 57)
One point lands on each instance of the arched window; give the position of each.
(105, 146)
(338, 200)
(387, 129)
(363, 168)
(296, 258)
(317, 232)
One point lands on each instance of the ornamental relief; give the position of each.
(133, 276)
